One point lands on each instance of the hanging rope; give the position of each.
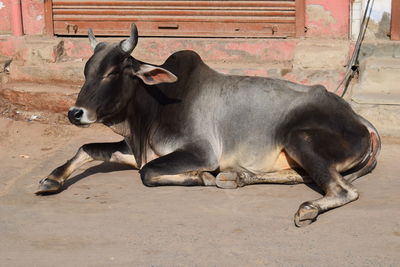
(353, 65)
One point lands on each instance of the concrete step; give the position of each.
(45, 60)
(61, 72)
(155, 50)
(378, 83)
(385, 118)
(72, 72)
(41, 97)
(40, 49)
(379, 48)
(32, 48)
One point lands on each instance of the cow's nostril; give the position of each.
(78, 114)
(75, 115)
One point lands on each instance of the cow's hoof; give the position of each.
(227, 180)
(306, 215)
(208, 179)
(48, 186)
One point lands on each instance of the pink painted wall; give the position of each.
(32, 14)
(323, 18)
(5, 15)
(328, 18)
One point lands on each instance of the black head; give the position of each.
(111, 77)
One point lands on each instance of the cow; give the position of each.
(185, 124)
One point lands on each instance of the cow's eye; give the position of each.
(111, 74)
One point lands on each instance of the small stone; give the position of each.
(33, 117)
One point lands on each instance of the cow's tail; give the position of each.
(369, 161)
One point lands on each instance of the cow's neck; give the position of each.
(136, 120)
(121, 128)
(119, 123)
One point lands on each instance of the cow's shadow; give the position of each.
(104, 167)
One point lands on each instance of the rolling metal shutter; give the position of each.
(194, 18)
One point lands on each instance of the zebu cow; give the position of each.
(186, 124)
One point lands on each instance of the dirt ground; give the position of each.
(106, 217)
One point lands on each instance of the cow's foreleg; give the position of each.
(304, 147)
(118, 152)
(187, 167)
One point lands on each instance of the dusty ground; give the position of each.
(106, 217)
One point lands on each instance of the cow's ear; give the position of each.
(154, 75)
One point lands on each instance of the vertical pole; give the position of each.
(395, 23)
(16, 14)
(48, 17)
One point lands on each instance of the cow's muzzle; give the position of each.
(79, 116)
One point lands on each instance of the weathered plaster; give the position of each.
(318, 13)
(327, 19)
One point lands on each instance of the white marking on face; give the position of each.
(87, 116)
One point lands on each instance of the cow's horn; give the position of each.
(129, 44)
(92, 39)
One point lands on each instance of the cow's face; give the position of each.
(111, 76)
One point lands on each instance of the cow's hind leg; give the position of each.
(318, 154)
(231, 180)
(189, 166)
(118, 152)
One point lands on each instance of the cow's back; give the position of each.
(242, 117)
